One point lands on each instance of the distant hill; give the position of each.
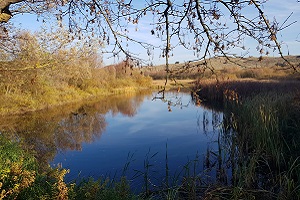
(251, 67)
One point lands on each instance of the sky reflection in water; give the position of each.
(149, 128)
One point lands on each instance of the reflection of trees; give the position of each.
(46, 133)
(67, 127)
(125, 104)
(209, 105)
(77, 128)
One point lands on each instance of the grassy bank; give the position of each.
(257, 155)
(46, 91)
(47, 69)
(260, 137)
(178, 85)
(223, 69)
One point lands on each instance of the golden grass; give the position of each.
(51, 96)
(211, 89)
(222, 69)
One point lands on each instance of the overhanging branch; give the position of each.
(5, 14)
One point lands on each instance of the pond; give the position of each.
(123, 135)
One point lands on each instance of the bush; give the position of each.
(17, 169)
(21, 178)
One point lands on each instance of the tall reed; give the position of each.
(261, 119)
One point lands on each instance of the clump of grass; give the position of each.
(261, 119)
(218, 91)
(103, 189)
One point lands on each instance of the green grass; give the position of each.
(17, 169)
(102, 189)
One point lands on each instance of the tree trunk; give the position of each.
(5, 14)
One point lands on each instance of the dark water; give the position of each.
(99, 138)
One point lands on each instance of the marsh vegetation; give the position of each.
(56, 97)
(260, 137)
(255, 154)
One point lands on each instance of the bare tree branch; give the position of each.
(205, 28)
(5, 13)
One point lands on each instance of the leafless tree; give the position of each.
(214, 26)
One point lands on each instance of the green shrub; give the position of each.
(17, 169)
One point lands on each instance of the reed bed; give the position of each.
(261, 136)
(213, 90)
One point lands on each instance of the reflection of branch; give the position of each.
(172, 102)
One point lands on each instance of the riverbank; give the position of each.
(257, 157)
(260, 140)
(46, 96)
(210, 90)
(35, 77)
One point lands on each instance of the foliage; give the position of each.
(20, 178)
(102, 189)
(17, 169)
(50, 70)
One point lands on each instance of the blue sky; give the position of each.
(273, 9)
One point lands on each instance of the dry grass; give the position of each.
(222, 69)
(52, 89)
(261, 136)
(213, 90)
(178, 85)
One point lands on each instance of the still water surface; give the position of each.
(144, 127)
(98, 139)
